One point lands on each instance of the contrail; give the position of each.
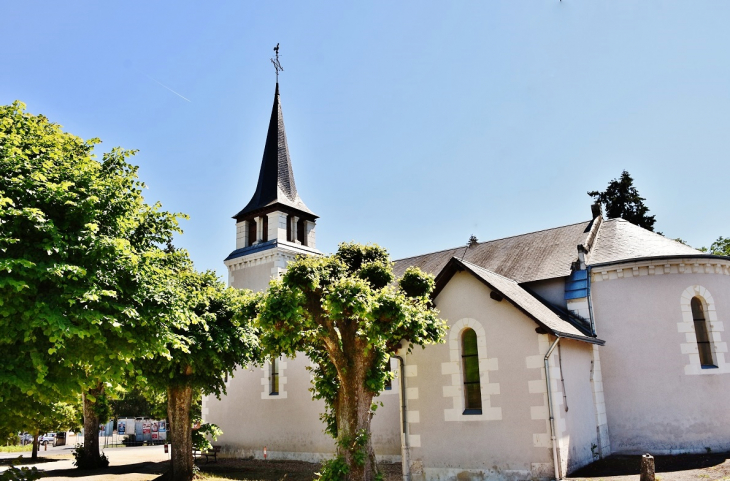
(168, 88)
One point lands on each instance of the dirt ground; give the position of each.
(146, 464)
(680, 467)
(273, 470)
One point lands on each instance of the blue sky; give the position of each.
(412, 124)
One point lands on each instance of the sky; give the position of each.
(411, 124)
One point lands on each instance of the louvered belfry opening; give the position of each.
(251, 232)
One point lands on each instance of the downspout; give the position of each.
(590, 304)
(405, 447)
(556, 454)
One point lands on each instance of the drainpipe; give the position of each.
(405, 448)
(556, 454)
(590, 304)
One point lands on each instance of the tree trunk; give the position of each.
(34, 456)
(91, 429)
(179, 400)
(353, 426)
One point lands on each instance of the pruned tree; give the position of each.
(82, 263)
(622, 200)
(346, 313)
(210, 333)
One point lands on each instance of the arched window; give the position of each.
(470, 366)
(704, 343)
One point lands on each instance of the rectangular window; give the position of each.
(301, 235)
(389, 382)
(274, 377)
(251, 232)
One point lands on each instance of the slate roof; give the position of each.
(549, 253)
(276, 178)
(529, 257)
(271, 244)
(521, 299)
(619, 240)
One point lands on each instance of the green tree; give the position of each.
(211, 333)
(139, 401)
(622, 200)
(81, 266)
(26, 413)
(721, 247)
(346, 313)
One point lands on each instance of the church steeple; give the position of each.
(276, 184)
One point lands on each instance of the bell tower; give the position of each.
(276, 225)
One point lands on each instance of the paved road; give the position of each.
(135, 463)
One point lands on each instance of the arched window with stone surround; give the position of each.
(704, 343)
(470, 370)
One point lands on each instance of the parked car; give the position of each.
(26, 438)
(48, 438)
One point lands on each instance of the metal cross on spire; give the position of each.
(276, 63)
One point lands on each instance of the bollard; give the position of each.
(647, 468)
(264, 453)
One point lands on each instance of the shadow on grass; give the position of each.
(149, 467)
(23, 460)
(625, 465)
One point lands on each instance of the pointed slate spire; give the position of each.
(276, 178)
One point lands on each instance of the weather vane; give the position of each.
(276, 63)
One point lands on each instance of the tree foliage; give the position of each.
(210, 333)
(721, 247)
(348, 314)
(83, 269)
(139, 401)
(29, 414)
(622, 200)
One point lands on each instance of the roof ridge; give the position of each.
(495, 240)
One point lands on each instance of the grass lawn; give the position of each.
(16, 449)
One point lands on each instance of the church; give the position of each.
(564, 345)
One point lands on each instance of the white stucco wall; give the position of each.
(552, 290)
(288, 424)
(658, 399)
(255, 278)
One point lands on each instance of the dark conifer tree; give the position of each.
(622, 200)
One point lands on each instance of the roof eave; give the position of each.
(655, 258)
(455, 265)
